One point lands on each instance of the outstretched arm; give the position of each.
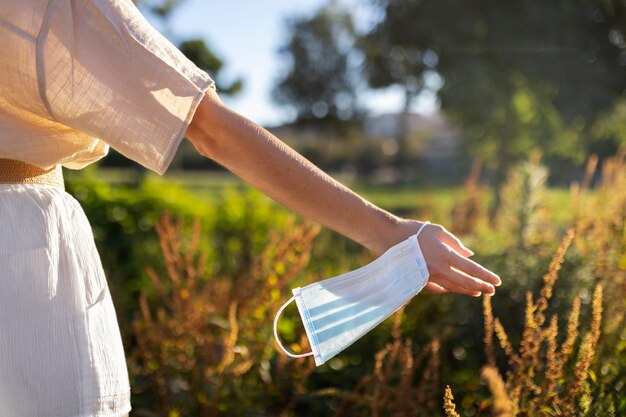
(268, 164)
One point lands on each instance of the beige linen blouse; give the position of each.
(78, 76)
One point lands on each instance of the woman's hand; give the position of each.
(447, 258)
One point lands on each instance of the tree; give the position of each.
(196, 50)
(320, 79)
(516, 75)
(161, 8)
(389, 60)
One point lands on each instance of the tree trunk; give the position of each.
(503, 162)
(403, 129)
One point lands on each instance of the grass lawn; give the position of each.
(434, 201)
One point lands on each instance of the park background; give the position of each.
(503, 121)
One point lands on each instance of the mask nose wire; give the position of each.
(280, 311)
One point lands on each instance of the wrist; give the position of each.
(384, 231)
(395, 231)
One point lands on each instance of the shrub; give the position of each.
(202, 340)
(202, 292)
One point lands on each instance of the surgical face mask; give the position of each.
(338, 311)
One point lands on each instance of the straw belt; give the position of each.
(18, 172)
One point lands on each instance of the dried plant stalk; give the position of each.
(195, 338)
(501, 403)
(536, 381)
(489, 330)
(553, 364)
(504, 342)
(572, 331)
(550, 278)
(588, 346)
(448, 403)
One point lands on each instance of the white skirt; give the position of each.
(61, 352)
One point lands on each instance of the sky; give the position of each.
(247, 34)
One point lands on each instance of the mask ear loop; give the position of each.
(280, 311)
(421, 228)
(282, 308)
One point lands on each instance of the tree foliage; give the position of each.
(198, 52)
(516, 75)
(162, 8)
(196, 49)
(319, 80)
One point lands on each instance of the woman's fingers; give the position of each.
(448, 285)
(435, 288)
(442, 269)
(439, 285)
(474, 269)
(464, 280)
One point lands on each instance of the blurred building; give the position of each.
(431, 136)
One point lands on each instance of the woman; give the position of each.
(78, 76)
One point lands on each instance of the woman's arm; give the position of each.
(268, 164)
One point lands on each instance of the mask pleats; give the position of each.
(338, 311)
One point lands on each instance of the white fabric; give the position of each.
(61, 354)
(338, 311)
(79, 75)
(76, 76)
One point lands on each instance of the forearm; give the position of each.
(268, 164)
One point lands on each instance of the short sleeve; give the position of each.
(104, 71)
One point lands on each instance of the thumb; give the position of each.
(454, 242)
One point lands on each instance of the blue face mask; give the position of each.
(338, 311)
